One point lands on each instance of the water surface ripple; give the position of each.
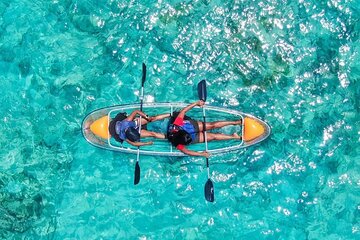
(295, 64)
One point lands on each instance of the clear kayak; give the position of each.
(95, 129)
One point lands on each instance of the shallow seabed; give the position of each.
(295, 64)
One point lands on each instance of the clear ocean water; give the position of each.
(295, 64)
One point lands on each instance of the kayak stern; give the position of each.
(254, 129)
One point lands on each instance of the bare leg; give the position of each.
(218, 124)
(218, 137)
(146, 133)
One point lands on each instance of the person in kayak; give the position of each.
(126, 128)
(183, 131)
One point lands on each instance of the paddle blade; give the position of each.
(209, 191)
(137, 173)
(144, 74)
(202, 90)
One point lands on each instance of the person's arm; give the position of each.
(195, 153)
(189, 107)
(159, 117)
(134, 113)
(138, 144)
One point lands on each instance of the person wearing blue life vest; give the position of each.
(183, 130)
(126, 128)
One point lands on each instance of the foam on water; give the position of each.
(295, 64)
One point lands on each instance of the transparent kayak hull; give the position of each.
(95, 129)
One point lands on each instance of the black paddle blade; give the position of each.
(202, 90)
(209, 191)
(137, 173)
(144, 74)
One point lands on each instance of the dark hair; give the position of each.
(132, 134)
(179, 137)
(119, 117)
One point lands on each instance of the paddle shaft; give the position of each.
(141, 99)
(138, 149)
(206, 143)
(141, 108)
(137, 166)
(209, 186)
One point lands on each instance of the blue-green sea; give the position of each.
(293, 63)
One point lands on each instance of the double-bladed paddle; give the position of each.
(209, 186)
(137, 166)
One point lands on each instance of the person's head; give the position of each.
(180, 137)
(114, 132)
(132, 134)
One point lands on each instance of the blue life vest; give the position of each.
(187, 127)
(122, 126)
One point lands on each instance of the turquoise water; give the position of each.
(295, 64)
